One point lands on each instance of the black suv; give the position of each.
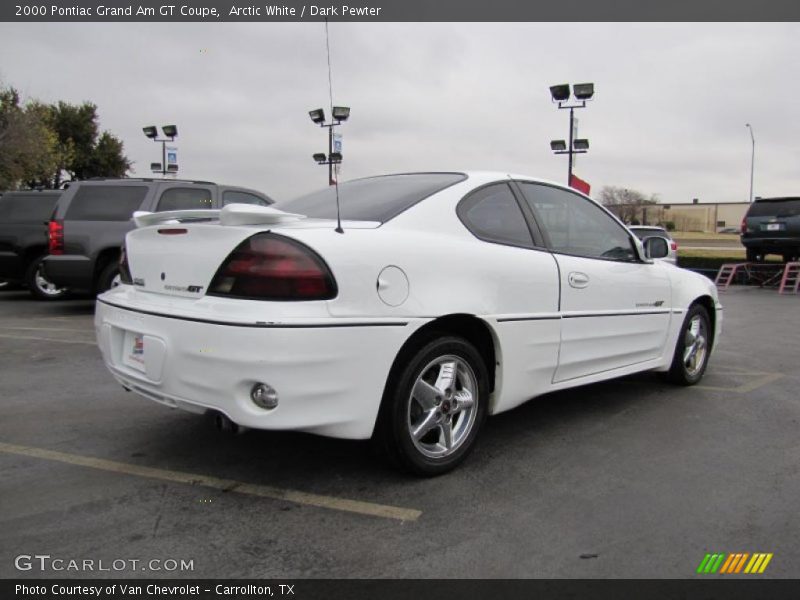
(772, 226)
(92, 217)
(23, 240)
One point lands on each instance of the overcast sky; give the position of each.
(668, 116)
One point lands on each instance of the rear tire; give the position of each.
(434, 406)
(39, 286)
(109, 278)
(692, 350)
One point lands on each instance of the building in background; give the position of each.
(705, 217)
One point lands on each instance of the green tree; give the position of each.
(28, 152)
(82, 153)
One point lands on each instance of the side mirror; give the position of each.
(656, 247)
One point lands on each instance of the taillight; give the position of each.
(743, 227)
(272, 267)
(673, 245)
(124, 269)
(55, 237)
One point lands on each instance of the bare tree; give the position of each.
(626, 203)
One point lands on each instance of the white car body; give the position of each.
(329, 360)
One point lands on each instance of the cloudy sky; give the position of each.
(668, 117)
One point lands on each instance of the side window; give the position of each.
(492, 214)
(184, 199)
(237, 197)
(105, 202)
(576, 225)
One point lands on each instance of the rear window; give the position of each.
(27, 208)
(184, 199)
(371, 199)
(106, 202)
(237, 197)
(780, 207)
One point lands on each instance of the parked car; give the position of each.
(92, 218)
(23, 241)
(772, 226)
(447, 297)
(647, 231)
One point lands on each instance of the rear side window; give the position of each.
(237, 197)
(184, 199)
(27, 208)
(105, 202)
(373, 198)
(492, 214)
(784, 207)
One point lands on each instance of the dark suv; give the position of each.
(772, 226)
(92, 217)
(23, 240)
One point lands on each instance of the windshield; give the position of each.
(778, 207)
(373, 198)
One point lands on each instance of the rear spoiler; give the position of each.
(232, 214)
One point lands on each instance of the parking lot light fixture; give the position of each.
(317, 115)
(560, 93)
(581, 144)
(582, 92)
(339, 114)
(170, 133)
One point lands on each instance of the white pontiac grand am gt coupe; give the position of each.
(446, 298)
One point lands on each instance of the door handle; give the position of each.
(578, 280)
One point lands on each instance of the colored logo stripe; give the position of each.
(734, 563)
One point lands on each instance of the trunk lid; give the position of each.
(178, 253)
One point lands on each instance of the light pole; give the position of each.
(171, 132)
(560, 95)
(339, 114)
(752, 158)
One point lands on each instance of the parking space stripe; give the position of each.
(228, 485)
(86, 330)
(44, 339)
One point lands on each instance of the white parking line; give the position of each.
(43, 339)
(228, 485)
(87, 330)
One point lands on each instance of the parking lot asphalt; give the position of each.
(630, 478)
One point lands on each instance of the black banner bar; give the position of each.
(400, 10)
(728, 588)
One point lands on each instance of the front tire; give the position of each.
(434, 408)
(692, 350)
(39, 286)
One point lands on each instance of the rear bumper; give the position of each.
(12, 266)
(768, 243)
(71, 271)
(329, 377)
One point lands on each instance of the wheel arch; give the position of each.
(707, 302)
(475, 330)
